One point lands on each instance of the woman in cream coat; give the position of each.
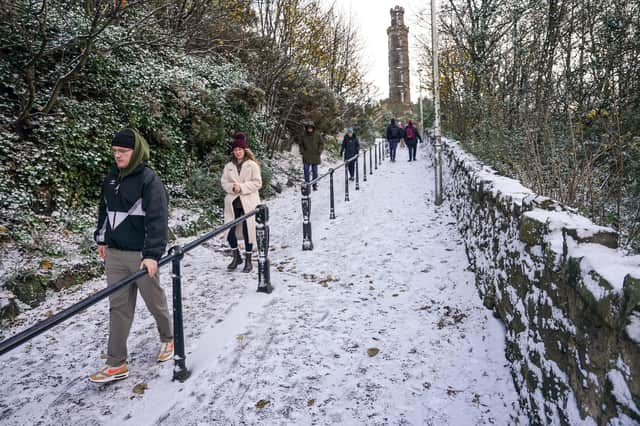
(241, 180)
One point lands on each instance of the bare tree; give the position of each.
(547, 90)
(82, 25)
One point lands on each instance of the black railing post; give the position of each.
(364, 165)
(332, 212)
(346, 182)
(307, 243)
(357, 175)
(262, 235)
(370, 161)
(180, 371)
(375, 154)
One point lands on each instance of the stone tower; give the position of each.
(398, 32)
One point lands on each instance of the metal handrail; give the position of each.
(319, 178)
(176, 253)
(307, 242)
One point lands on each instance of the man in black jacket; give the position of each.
(394, 134)
(132, 235)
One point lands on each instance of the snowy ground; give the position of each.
(388, 274)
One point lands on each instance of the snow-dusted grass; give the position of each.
(389, 273)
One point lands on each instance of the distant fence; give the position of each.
(376, 156)
(175, 256)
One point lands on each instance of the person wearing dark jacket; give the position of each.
(311, 147)
(411, 137)
(394, 134)
(350, 147)
(132, 235)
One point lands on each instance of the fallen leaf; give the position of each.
(240, 337)
(46, 264)
(452, 392)
(372, 352)
(262, 403)
(140, 388)
(311, 402)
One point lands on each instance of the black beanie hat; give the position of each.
(125, 138)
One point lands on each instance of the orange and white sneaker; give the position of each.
(110, 374)
(166, 351)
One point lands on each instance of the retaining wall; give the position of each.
(569, 299)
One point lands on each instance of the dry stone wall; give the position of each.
(569, 299)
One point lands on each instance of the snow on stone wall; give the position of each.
(569, 299)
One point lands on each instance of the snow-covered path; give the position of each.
(379, 324)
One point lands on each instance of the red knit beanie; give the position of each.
(240, 141)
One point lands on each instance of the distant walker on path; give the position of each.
(411, 137)
(394, 134)
(350, 147)
(311, 147)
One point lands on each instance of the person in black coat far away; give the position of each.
(350, 147)
(394, 134)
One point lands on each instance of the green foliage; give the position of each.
(204, 185)
(267, 175)
(186, 107)
(54, 155)
(332, 145)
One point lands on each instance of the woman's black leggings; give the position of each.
(231, 237)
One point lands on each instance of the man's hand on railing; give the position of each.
(151, 265)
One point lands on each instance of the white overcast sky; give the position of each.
(372, 19)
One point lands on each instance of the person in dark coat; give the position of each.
(411, 137)
(350, 147)
(394, 134)
(131, 235)
(311, 147)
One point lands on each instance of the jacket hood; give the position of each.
(140, 155)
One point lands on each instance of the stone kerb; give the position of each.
(569, 299)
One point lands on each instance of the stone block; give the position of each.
(604, 238)
(631, 289)
(532, 231)
(29, 287)
(8, 309)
